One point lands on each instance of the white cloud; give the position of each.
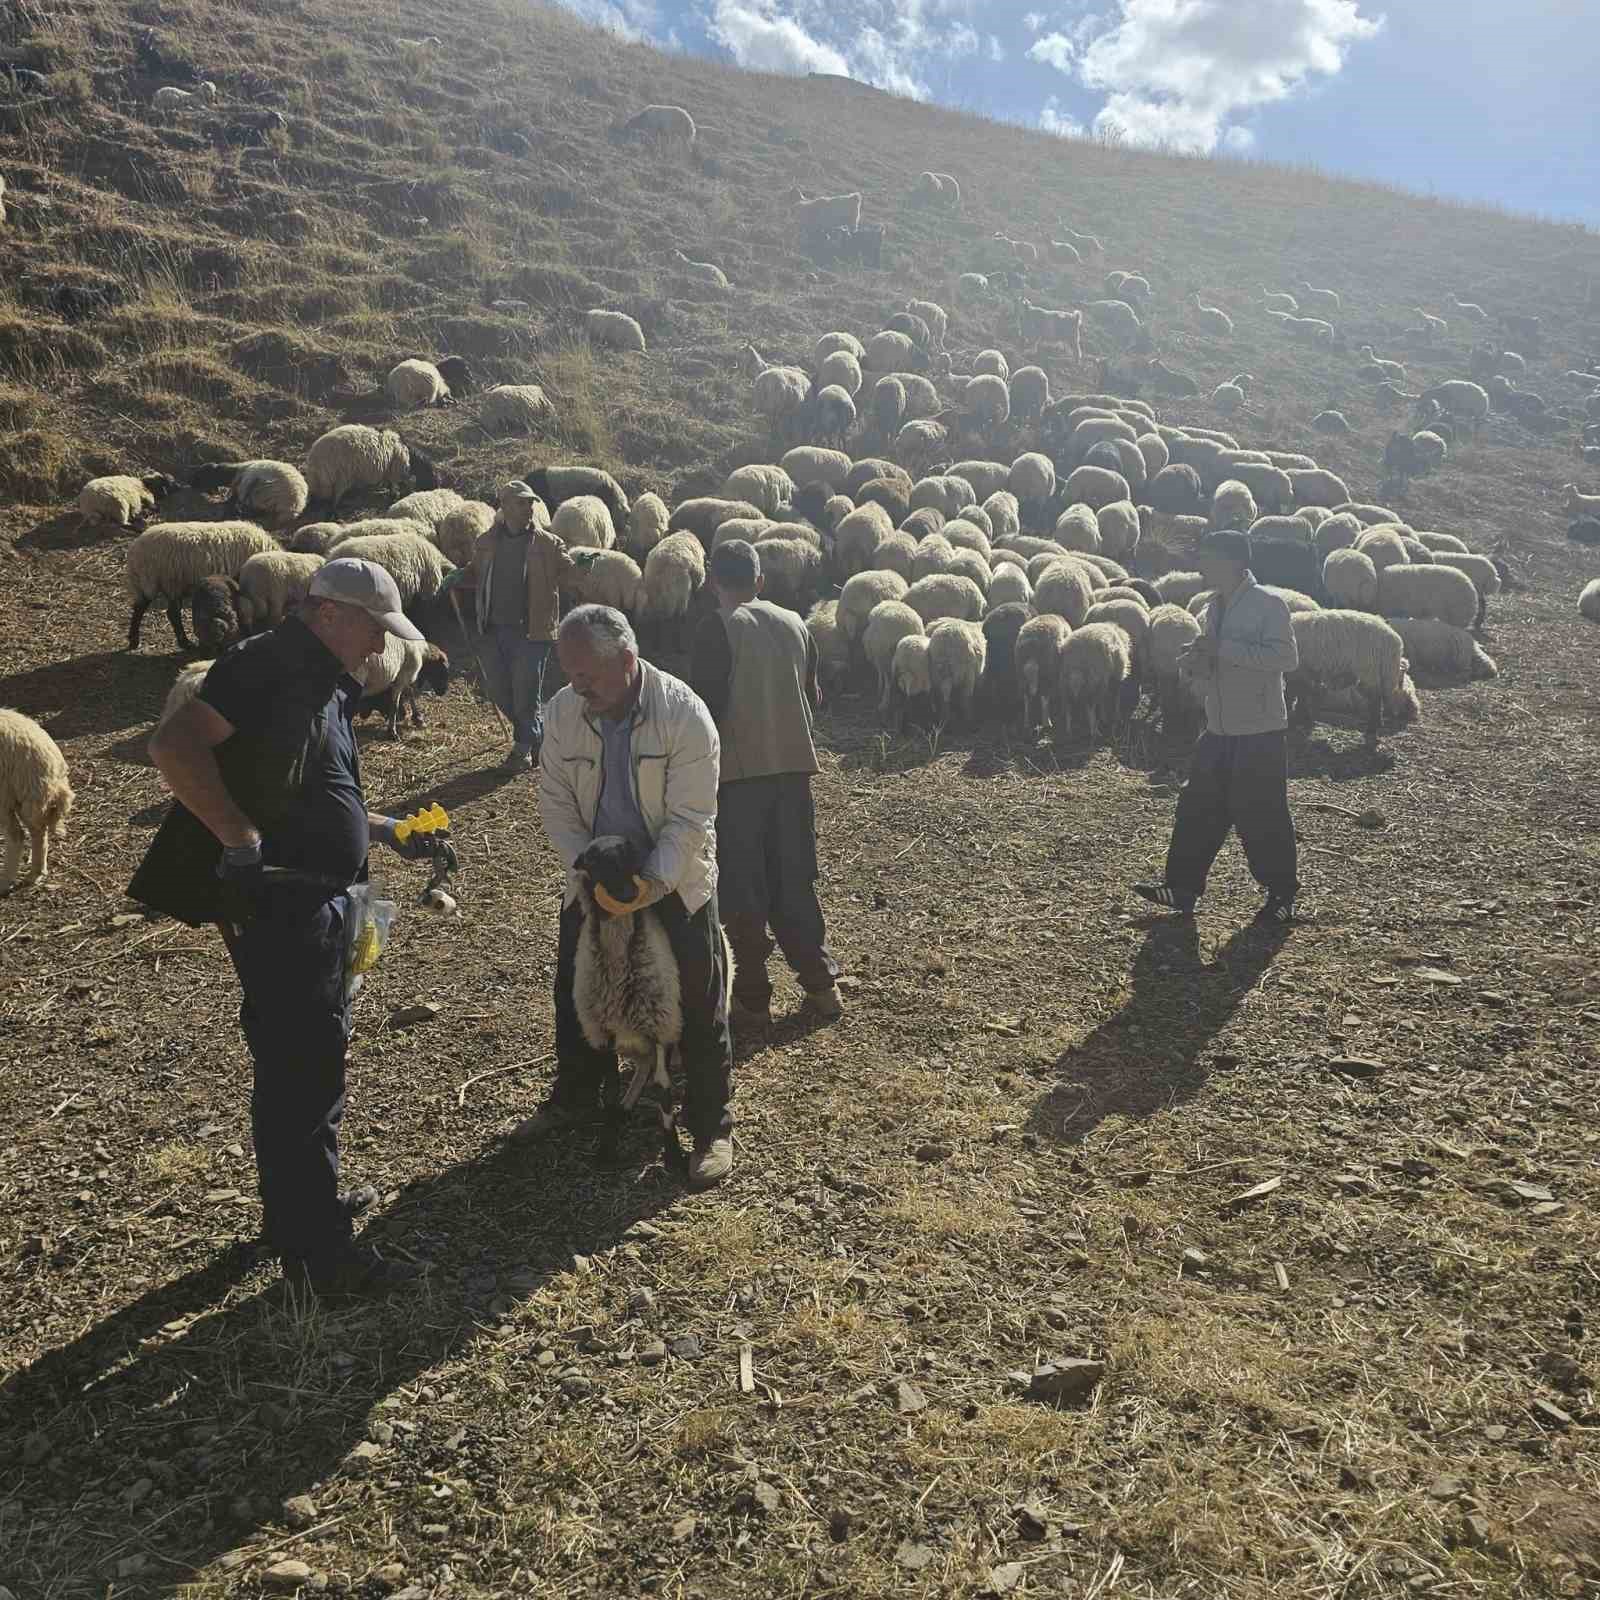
(997, 51)
(961, 40)
(1176, 71)
(1054, 50)
(1033, 21)
(1238, 138)
(759, 39)
(632, 19)
(1052, 119)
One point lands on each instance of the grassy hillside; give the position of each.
(1033, 1134)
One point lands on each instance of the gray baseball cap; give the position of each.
(353, 582)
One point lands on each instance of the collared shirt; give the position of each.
(291, 763)
(618, 811)
(1255, 642)
(508, 580)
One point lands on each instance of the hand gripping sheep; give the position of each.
(626, 987)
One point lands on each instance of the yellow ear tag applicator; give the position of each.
(616, 907)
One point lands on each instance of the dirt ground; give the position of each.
(1322, 1203)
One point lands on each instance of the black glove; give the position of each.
(241, 874)
(414, 847)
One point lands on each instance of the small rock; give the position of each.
(286, 1575)
(1259, 1192)
(641, 1302)
(139, 1492)
(1356, 1066)
(391, 1575)
(686, 1347)
(1495, 1433)
(546, 1358)
(410, 1016)
(683, 1529)
(1550, 1414)
(1062, 1380)
(840, 1520)
(642, 1230)
(381, 1433)
(364, 1454)
(1436, 975)
(653, 1353)
(300, 1511)
(765, 1497)
(1033, 1522)
(1446, 1487)
(576, 1387)
(1474, 1530)
(908, 1398)
(1194, 1261)
(1354, 1477)
(130, 1566)
(1003, 1579)
(412, 1591)
(931, 1153)
(912, 1555)
(1561, 1370)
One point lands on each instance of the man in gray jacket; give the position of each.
(1239, 776)
(755, 666)
(631, 751)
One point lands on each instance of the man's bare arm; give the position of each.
(184, 750)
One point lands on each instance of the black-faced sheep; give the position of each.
(123, 502)
(273, 493)
(170, 560)
(1350, 650)
(395, 676)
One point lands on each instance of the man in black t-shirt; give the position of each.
(269, 833)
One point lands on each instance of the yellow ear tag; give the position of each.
(616, 907)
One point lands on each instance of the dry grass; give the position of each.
(1036, 1104)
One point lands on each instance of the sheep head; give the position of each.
(216, 605)
(608, 871)
(434, 678)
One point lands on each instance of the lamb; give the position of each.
(912, 676)
(584, 520)
(272, 584)
(821, 212)
(515, 407)
(556, 485)
(614, 330)
(35, 797)
(123, 501)
(1405, 589)
(945, 594)
(1213, 319)
(352, 457)
(707, 272)
(394, 677)
(1171, 631)
(833, 650)
(1063, 589)
(647, 524)
(626, 986)
(170, 98)
(1589, 601)
(665, 122)
(415, 383)
(1351, 580)
(1233, 506)
(172, 559)
(1484, 573)
(673, 571)
(1349, 649)
(1096, 669)
(1038, 659)
(458, 531)
(957, 652)
(1437, 647)
(270, 492)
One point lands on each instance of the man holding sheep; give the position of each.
(755, 666)
(1239, 774)
(631, 751)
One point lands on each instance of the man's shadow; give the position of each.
(1147, 1057)
(215, 1399)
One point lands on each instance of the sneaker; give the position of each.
(518, 759)
(711, 1162)
(353, 1202)
(349, 1268)
(747, 1019)
(1159, 894)
(823, 1003)
(1278, 911)
(554, 1116)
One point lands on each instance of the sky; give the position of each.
(1488, 100)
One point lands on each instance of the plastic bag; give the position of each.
(370, 920)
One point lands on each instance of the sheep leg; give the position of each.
(39, 866)
(13, 857)
(175, 617)
(135, 621)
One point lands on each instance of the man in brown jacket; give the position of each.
(519, 566)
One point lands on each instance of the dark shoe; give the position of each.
(747, 1020)
(824, 1003)
(1278, 912)
(356, 1201)
(711, 1162)
(518, 759)
(349, 1269)
(1159, 894)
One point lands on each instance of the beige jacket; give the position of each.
(547, 567)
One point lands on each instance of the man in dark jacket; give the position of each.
(1239, 777)
(755, 666)
(269, 832)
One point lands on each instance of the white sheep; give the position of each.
(810, 463)
(415, 383)
(123, 501)
(889, 351)
(957, 652)
(171, 98)
(1096, 666)
(964, 533)
(833, 649)
(934, 554)
(1171, 631)
(352, 457)
(1316, 486)
(1461, 401)
(1179, 588)
(521, 407)
(665, 122)
(780, 392)
(1484, 573)
(1437, 542)
(841, 369)
(1589, 600)
(1130, 614)
(1407, 590)
(830, 342)
(1038, 662)
(945, 594)
(647, 523)
(1096, 487)
(857, 537)
(35, 797)
(1439, 647)
(428, 507)
(1063, 589)
(767, 487)
(932, 313)
(1351, 580)
(945, 492)
(1383, 545)
(912, 678)
(390, 679)
(972, 287)
(1008, 583)
(1004, 513)
(1032, 476)
(707, 272)
(1352, 650)
(612, 579)
(861, 595)
(584, 520)
(614, 330)
(417, 565)
(272, 583)
(1078, 529)
(673, 571)
(791, 570)
(184, 688)
(704, 514)
(171, 559)
(1116, 318)
(1233, 505)
(895, 554)
(821, 212)
(458, 531)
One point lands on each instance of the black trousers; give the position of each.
(1235, 782)
(586, 1078)
(290, 959)
(767, 878)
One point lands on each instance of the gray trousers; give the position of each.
(513, 672)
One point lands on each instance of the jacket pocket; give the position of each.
(650, 775)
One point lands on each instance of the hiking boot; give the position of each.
(1160, 894)
(554, 1116)
(748, 1020)
(823, 1003)
(519, 758)
(711, 1162)
(349, 1268)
